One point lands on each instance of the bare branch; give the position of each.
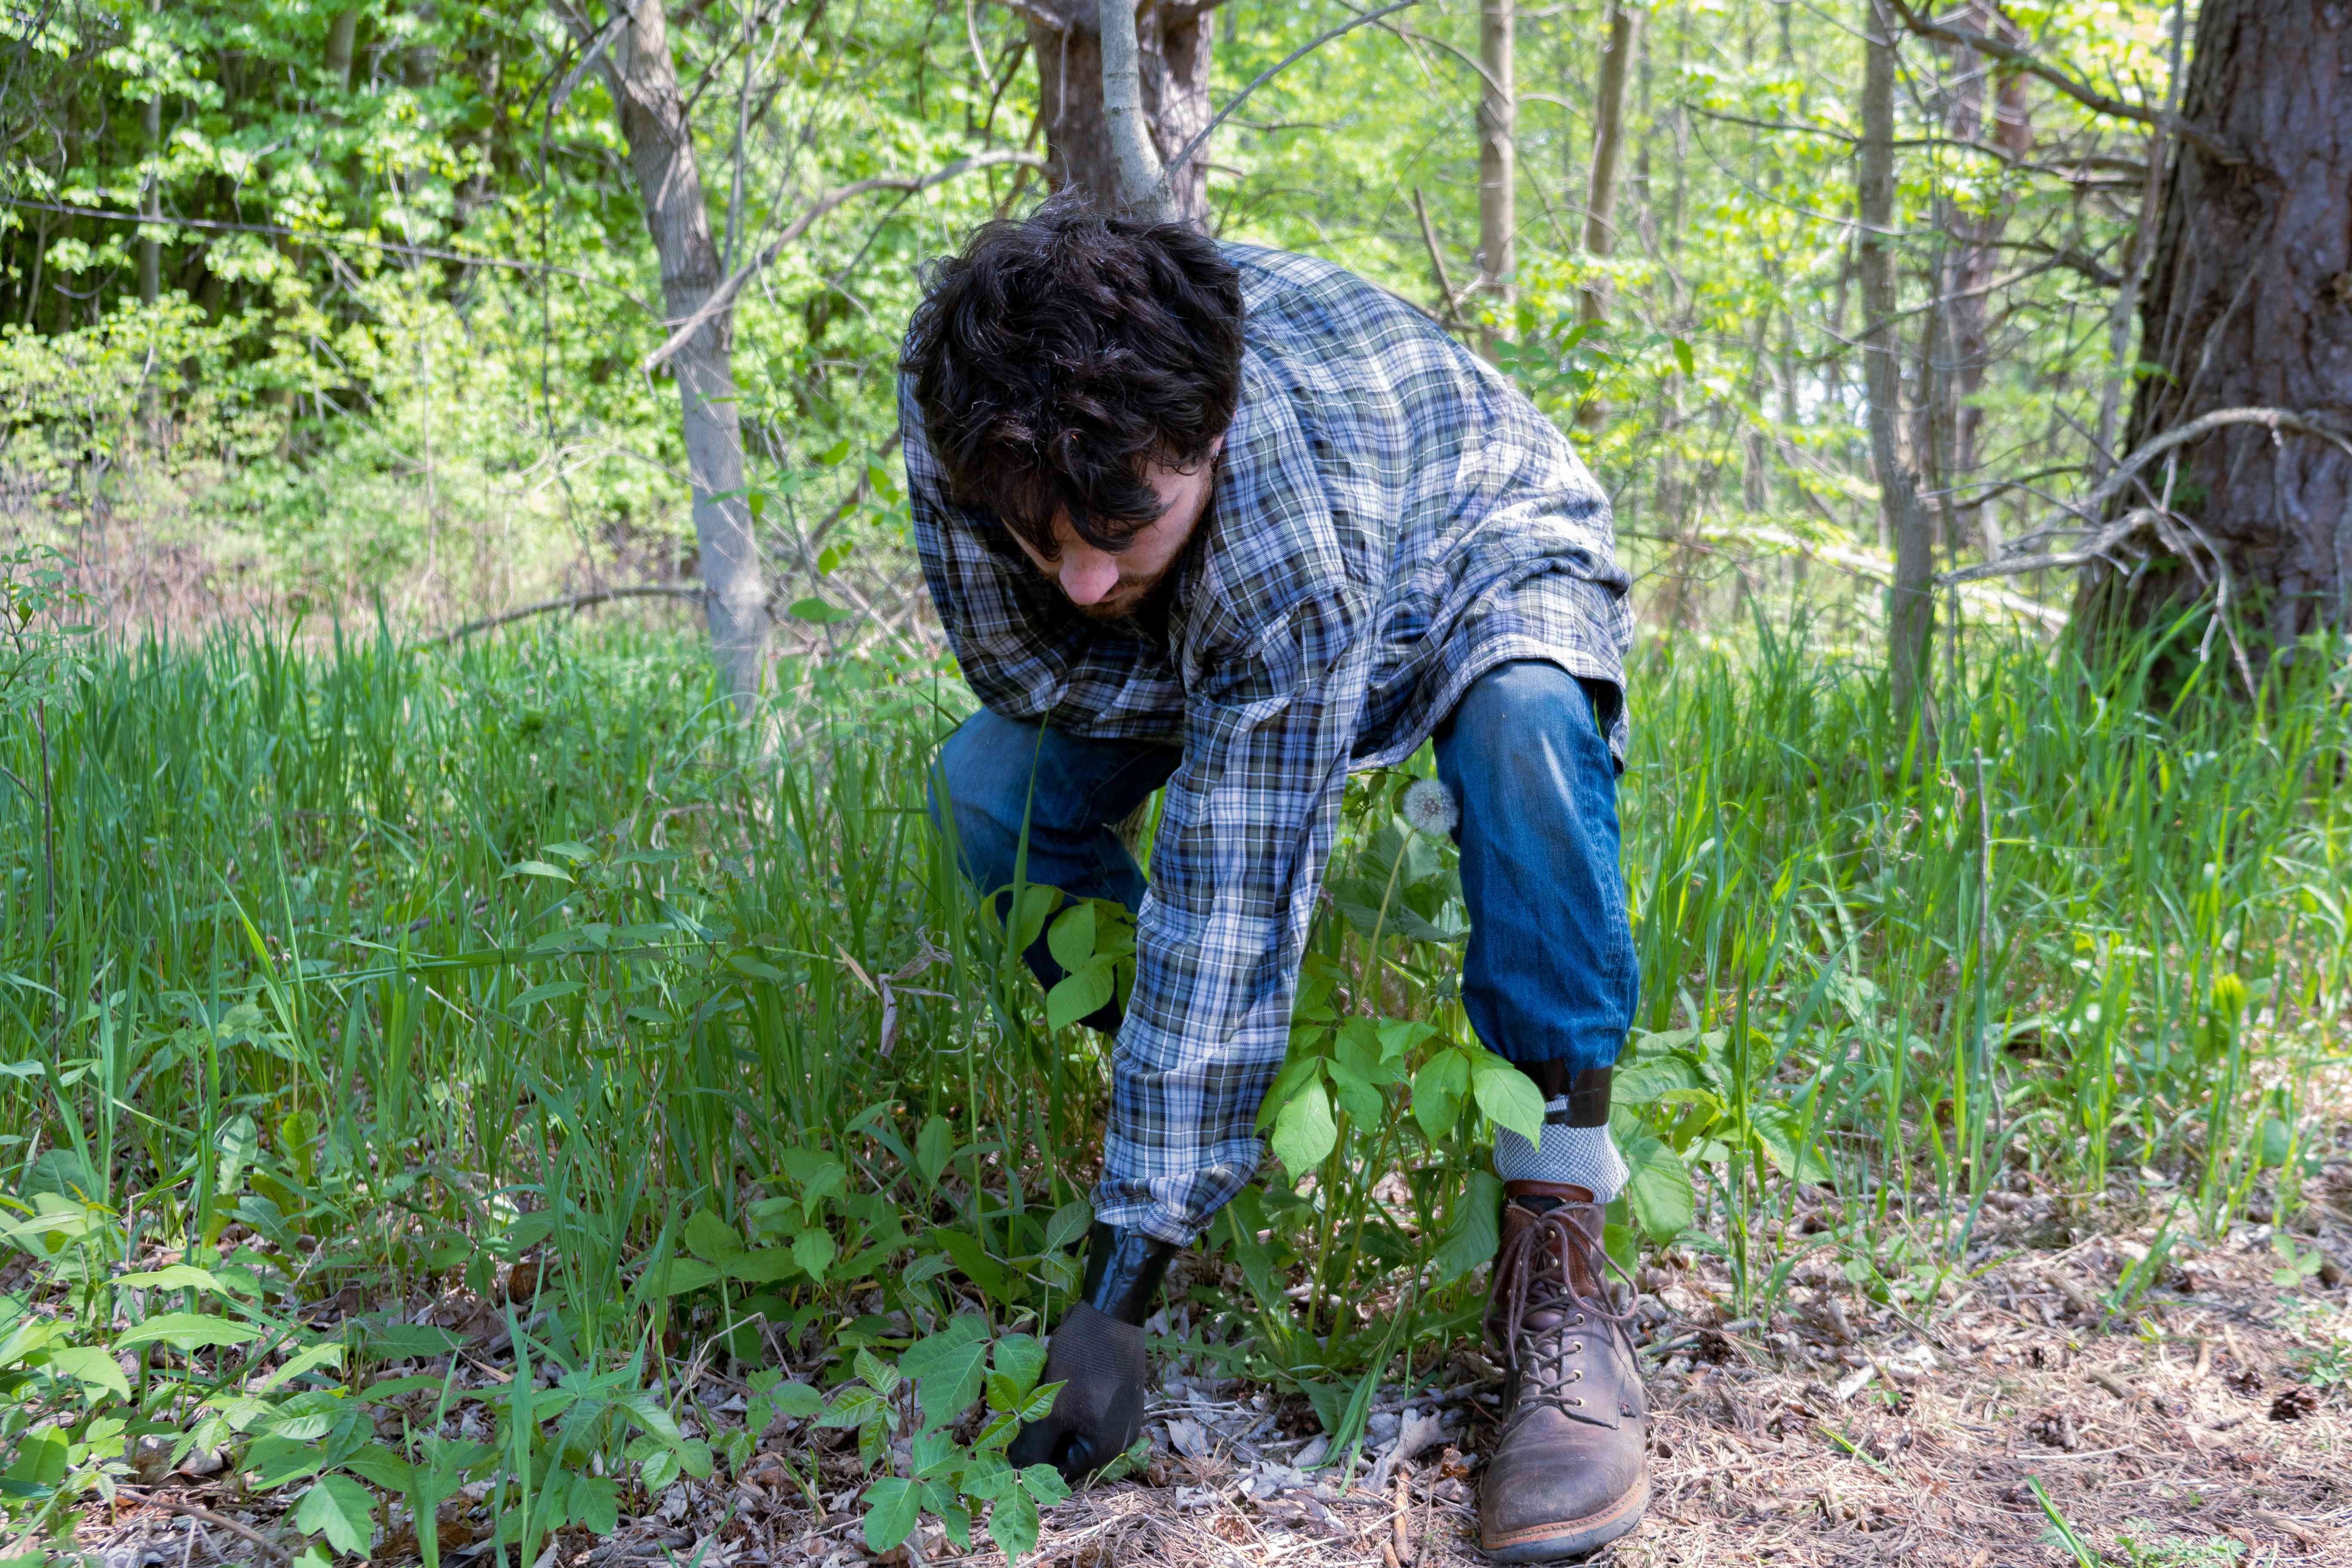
(722, 298)
(1176, 164)
(1438, 261)
(2089, 97)
(2108, 537)
(571, 602)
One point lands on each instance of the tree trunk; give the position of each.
(1959, 365)
(2249, 304)
(1498, 222)
(1136, 163)
(342, 35)
(1173, 73)
(669, 185)
(1608, 143)
(1911, 609)
(151, 201)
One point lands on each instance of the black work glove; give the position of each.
(1098, 1362)
(1097, 1354)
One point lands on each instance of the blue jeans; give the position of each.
(1549, 974)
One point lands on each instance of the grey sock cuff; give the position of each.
(1583, 1157)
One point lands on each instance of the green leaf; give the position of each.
(1020, 1359)
(1045, 1483)
(948, 1368)
(892, 1504)
(1437, 1092)
(1305, 1132)
(878, 1374)
(1071, 939)
(1400, 1036)
(1787, 1141)
(387, 1469)
(816, 610)
(1509, 1096)
(328, 1353)
(596, 1504)
(1648, 1080)
(1683, 356)
(814, 1251)
(538, 869)
(1029, 912)
(972, 1258)
(1295, 1073)
(549, 992)
(934, 1146)
(710, 1238)
(340, 1509)
(178, 1277)
(1622, 1246)
(1068, 1223)
(1012, 1524)
(41, 1457)
(1364, 1103)
(1245, 1218)
(762, 1265)
(1476, 1231)
(187, 1332)
(798, 1400)
(411, 1341)
(1658, 1191)
(1079, 995)
(675, 1276)
(1357, 1047)
(91, 1366)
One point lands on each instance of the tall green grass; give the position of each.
(407, 965)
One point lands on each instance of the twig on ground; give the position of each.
(198, 1511)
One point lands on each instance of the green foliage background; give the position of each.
(400, 360)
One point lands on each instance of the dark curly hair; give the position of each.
(1061, 353)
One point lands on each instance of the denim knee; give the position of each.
(983, 769)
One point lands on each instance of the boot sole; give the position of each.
(1570, 1537)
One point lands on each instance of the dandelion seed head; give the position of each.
(1430, 809)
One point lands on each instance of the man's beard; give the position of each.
(1125, 601)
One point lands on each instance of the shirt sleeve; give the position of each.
(1246, 831)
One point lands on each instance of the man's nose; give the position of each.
(1087, 574)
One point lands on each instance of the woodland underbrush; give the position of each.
(486, 1097)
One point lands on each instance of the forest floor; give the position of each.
(2207, 1423)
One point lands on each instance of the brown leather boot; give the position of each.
(1571, 1470)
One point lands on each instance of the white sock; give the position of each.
(1583, 1157)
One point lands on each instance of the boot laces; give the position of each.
(1534, 1274)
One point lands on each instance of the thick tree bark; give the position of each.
(1608, 144)
(1498, 217)
(1172, 74)
(669, 187)
(1911, 610)
(2249, 304)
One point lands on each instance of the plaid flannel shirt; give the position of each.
(1390, 520)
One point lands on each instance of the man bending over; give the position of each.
(1233, 523)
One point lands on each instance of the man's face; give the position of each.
(1107, 587)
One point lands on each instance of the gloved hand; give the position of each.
(1098, 1362)
(1097, 1354)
